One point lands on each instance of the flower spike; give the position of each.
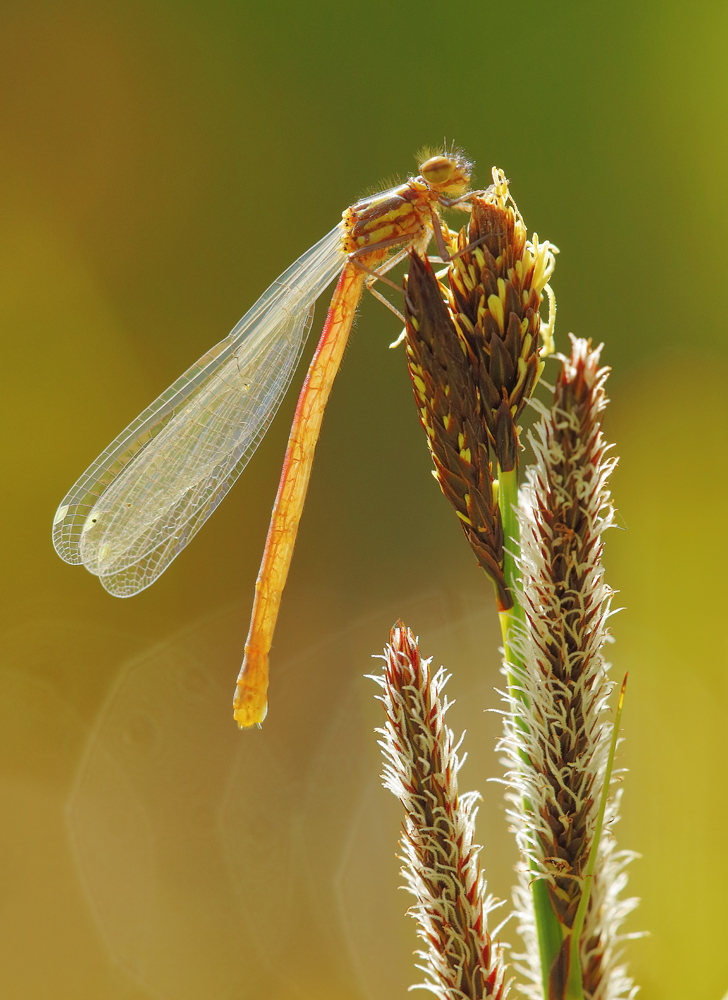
(441, 867)
(558, 732)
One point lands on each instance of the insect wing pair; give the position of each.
(137, 506)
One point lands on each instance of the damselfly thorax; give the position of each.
(407, 213)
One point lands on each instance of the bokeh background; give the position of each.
(161, 163)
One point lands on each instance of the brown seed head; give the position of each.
(451, 412)
(474, 359)
(495, 296)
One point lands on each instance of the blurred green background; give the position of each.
(161, 163)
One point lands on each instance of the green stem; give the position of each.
(508, 505)
(575, 988)
(548, 926)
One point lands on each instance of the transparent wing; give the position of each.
(138, 505)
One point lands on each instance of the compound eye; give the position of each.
(437, 170)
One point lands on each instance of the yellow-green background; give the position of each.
(160, 164)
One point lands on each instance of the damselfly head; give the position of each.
(447, 173)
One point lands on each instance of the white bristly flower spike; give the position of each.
(558, 727)
(441, 867)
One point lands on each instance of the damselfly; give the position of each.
(146, 496)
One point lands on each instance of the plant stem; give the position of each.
(508, 504)
(548, 927)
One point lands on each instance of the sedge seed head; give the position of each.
(439, 854)
(451, 412)
(559, 729)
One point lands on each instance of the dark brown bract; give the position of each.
(451, 413)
